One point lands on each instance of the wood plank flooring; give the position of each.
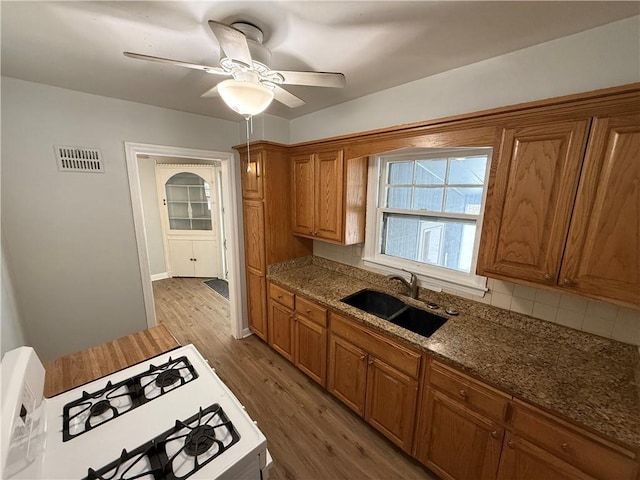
(310, 434)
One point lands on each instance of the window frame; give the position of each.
(431, 276)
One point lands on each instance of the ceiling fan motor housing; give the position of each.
(255, 37)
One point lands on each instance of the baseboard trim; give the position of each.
(246, 332)
(159, 276)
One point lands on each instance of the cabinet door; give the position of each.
(257, 304)
(391, 402)
(181, 254)
(328, 199)
(252, 184)
(522, 460)
(602, 257)
(254, 247)
(303, 194)
(206, 259)
(457, 443)
(281, 322)
(532, 187)
(347, 377)
(311, 349)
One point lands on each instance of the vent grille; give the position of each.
(79, 159)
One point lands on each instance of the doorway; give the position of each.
(135, 154)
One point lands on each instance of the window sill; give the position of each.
(472, 287)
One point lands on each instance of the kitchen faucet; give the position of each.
(412, 285)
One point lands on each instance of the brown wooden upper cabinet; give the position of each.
(329, 196)
(566, 213)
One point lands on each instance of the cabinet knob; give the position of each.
(547, 276)
(363, 357)
(370, 362)
(463, 394)
(510, 444)
(308, 311)
(195, 259)
(494, 434)
(564, 446)
(279, 296)
(567, 281)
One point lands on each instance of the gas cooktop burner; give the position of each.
(199, 440)
(93, 409)
(177, 453)
(167, 378)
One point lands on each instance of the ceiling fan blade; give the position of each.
(232, 42)
(178, 63)
(316, 79)
(287, 98)
(212, 92)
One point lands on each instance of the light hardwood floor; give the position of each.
(310, 434)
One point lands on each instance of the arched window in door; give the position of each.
(188, 202)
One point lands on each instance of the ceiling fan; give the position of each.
(253, 84)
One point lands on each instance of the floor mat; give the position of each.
(220, 286)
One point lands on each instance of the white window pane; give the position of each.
(467, 170)
(431, 172)
(399, 197)
(464, 200)
(400, 173)
(428, 199)
(442, 242)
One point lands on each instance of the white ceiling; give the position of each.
(377, 45)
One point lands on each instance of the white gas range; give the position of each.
(168, 418)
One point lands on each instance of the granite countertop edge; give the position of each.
(327, 282)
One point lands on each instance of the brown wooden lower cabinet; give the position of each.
(347, 377)
(391, 402)
(522, 460)
(256, 299)
(384, 395)
(311, 349)
(458, 443)
(281, 329)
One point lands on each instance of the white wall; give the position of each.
(70, 236)
(601, 57)
(12, 330)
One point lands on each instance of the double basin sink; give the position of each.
(396, 311)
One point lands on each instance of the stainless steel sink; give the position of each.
(394, 310)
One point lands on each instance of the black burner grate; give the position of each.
(93, 409)
(177, 453)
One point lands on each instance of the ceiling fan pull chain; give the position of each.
(248, 118)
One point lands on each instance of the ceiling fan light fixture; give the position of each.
(246, 98)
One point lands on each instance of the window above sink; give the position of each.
(425, 213)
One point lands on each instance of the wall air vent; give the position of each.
(79, 159)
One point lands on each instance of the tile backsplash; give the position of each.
(572, 311)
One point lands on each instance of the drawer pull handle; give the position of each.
(494, 434)
(279, 296)
(510, 444)
(564, 446)
(308, 311)
(463, 394)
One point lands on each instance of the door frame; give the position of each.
(237, 311)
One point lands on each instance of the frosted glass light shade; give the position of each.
(246, 98)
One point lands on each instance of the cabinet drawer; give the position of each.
(571, 445)
(312, 311)
(477, 396)
(393, 353)
(282, 296)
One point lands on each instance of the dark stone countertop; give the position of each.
(582, 377)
